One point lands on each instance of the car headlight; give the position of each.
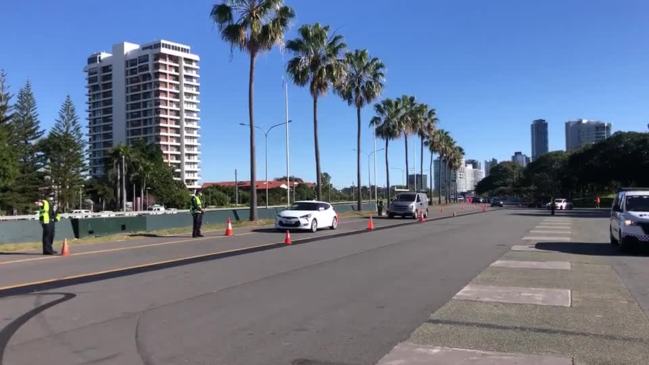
(629, 222)
(306, 216)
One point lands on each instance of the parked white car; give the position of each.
(560, 204)
(630, 218)
(307, 215)
(157, 209)
(409, 204)
(80, 213)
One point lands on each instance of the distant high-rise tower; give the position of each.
(582, 132)
(520, 159)
(488, 165)
(148, 93)
(539, 138)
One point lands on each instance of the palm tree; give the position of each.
(362, 83)
(432, 141)
(444, 143)
(253, 26)
(406, 122)
(455, 162)
(318, 63)
(387, 128)
(426, 123)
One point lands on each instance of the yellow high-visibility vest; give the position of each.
(44, 212)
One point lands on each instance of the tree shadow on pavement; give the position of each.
(593, 213)
(591, 248)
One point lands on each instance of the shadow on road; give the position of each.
(153, 235)
(12, 253)
(577, 213)
(590, 248)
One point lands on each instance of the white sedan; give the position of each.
(307, 215)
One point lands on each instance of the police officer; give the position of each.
(196, 209)
(47, 216)
(380, 208)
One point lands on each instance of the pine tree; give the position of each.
(64, 154)
(8, 165)
(24, 135)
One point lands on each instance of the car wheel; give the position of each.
(614, 242)
(390, 215)
(626, 243)
(334, 223)
(314, 226)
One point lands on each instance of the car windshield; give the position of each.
(406, 197)
(637, 203)
(304, 206)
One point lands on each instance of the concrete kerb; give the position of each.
(132, 270)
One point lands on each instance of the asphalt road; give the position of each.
(345, 300)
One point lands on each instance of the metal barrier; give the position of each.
(30, 230)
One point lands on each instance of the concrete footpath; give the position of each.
(31, 271)
(554, 298)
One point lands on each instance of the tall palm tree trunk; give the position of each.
(439, 181)
(430, 176)
(358, 158)
(387, 170)
(317, 149)
(405, 136)
(253, 163)
(421, 163)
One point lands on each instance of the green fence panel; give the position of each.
(105, 226)
(31, 231)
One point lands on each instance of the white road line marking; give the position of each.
(549, 265)
(549, 232)
(415, 354)
(546, 238)
(515, 295)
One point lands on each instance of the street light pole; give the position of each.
(288, 174)
(369, 187)
(266, 150)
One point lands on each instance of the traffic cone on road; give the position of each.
(421, 217)
(370, 224)
(228, 228)
(287, 238)
(484, 208)
(65, 249)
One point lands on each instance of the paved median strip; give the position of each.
(527, 248)
(548, 265)
(515, 295)
(413, 354)
(546, 238)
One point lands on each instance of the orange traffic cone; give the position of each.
(287, 238)
(228, 228)
(370, 224)
(65, 249)
(421, 217)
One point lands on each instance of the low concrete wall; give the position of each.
(30, 231)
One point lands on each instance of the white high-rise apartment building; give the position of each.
(145, 92)
(582, 132)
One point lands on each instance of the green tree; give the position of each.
(501, 180)
(386, 126)
(8, 165)
(426, 124)
(361, 85)
(318, 63)
(24, 135)
(65, 155)
(542, 178)
(253, 26)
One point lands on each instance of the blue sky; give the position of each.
(488, 67)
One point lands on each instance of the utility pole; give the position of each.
(123, 184)
(236, 188)
(288, 173)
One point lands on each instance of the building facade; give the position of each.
(582, 132)
(145, 92)
(539, 131)
(520, 159)
(488, 165)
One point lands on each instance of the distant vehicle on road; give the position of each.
(629, 223)
(80, 213)
(106, 213)
(408, 205)
(497, 202)
(157, 209)
(478, 200)
(307, 215)
(560, 204)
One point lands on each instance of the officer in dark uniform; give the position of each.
(47, 216)
(196, 209)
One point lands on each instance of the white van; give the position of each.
(408, 205)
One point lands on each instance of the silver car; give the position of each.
(409, 205)
(629, 225)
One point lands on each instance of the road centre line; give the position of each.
(546, 238)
